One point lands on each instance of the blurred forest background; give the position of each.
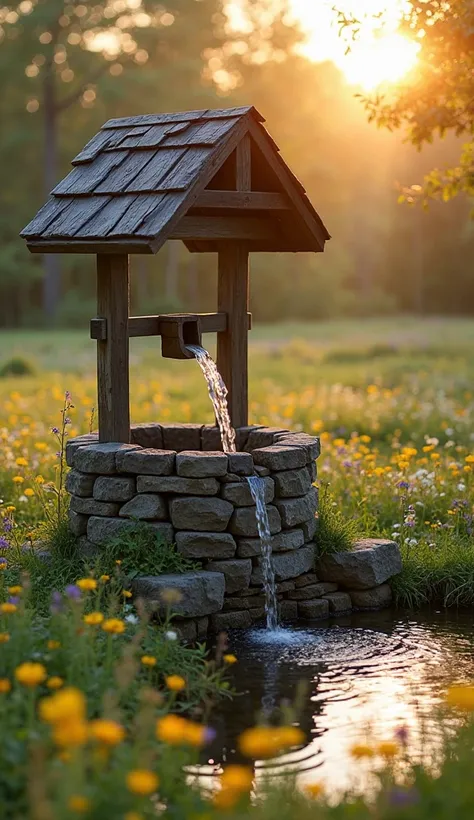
(66, 68)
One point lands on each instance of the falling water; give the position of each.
(257, 488)
(218, 395)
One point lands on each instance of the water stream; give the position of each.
(218, 395)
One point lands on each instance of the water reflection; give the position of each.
(366, 676)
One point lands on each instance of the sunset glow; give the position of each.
(380, 54)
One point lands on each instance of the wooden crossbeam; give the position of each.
(244, 200)
(221, 228)
(150, 325)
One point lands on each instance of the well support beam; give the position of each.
(113, 305)
(232, 344)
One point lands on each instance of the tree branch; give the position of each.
(65, 103)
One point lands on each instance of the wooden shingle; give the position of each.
(139, 181)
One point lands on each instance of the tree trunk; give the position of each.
(51, 264)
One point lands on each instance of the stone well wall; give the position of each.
(177, 479)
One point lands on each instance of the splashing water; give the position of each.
(218, 394)
(257, 488)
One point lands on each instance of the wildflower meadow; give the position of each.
(103, 711)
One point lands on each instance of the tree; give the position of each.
(66, 55)
(438, 95)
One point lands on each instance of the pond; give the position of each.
(364, 676)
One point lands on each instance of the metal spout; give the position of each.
(177, 331)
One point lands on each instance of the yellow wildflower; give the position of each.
(104, 578)
(142, 781)
(175, 682)
(238, 778)
(28, 492)
(93, 618)
(313, 790)
(21, 462)
(5, 686)
(107, 732)
(78, 803)
(39, 479)
(230, 659)
(388, 749)
(7, 608)
(114, 626)
(126, 593)
(148, 660)
(87, 584)
(18, 479)
(171, 729)
(266, 741)
(55, 682)
(360, 750)
(30, 674)
(70, 733)
(15, 590)
(4, 637)
(67, 705)
(53, 644)
(462, 697)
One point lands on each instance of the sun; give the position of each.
(379, 55)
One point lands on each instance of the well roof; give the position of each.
(138, 177)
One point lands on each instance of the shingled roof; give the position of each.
(135, 181)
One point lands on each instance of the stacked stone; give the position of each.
(177, 479)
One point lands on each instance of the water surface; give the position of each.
(364, 676)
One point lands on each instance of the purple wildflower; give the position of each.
(7, 524)
(403, 797)
(402, 735)
(347, 464)
(3, 562)
(67, 420)
(209, 734)
(56, 602)
(403, 485)
(55, 430)
(14, 599)
(73, 592)
(58, 454)
(4, 545)
(67, 395)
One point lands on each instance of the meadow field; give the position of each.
(100, 710)
(392, 399)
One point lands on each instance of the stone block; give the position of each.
(201, 514)
(244, 522)
(240, 463)
(86, 549)
(279, 457)
(89, 506)
(296, 511)
(146, 462)
(114, 488)
(282, 542)
(371, 562)
(312, 591)
(306, 580)
(258, 614)
(182, 436)
(312, 469)
(79, 441)
(251, 602)
(206, 544)
(202, 593)
(148, 435)
(145, 508)
(210, 439)
(310, 444)
(176, 485)
(286, 565)
(288, 610)
(202, 625)
(261, 471)
(246, 592)
(375, 598)
(186, 629)
(262, 437)
(236, 573)
(101, 458)
(77, 523)
(78, 483)
(242, 434)
(240, 496)
(310, 529)
(103, 530)
(292, 483)
(193, 464)
(314, 610)
(338, 602)
(230, 620)
(285, 586)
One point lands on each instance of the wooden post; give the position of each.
(233, 299)
(113, 304)
(232, 345)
